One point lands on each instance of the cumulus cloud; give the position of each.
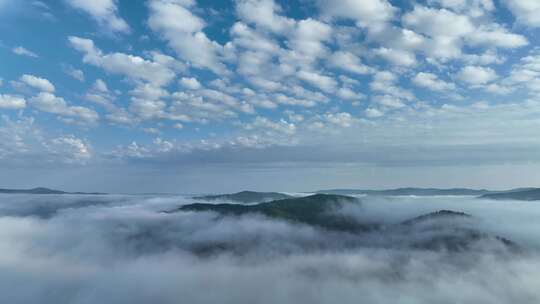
(386, 82)
(190, 83)
(264, 14)
(450, 31)
(526, 12)
(370, 13)
(397, 57)
(49, 103)
(184, 32)
(323, 82)
(39, 83)
(432, 82)
(281, 127)
(12, 102)
(373, 113)
(101, 86)
(475, 75)
(104, 12)
(135, 67)
(348, 62)
(72, 148)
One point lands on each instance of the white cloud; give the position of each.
(366, 13)
(486, 58)
(183, 31)
(432, 82)
(473, 8)
(264, 14)
(388, 101)
(21, 51)
(527, 12)
(444, 27)
(450, 31)
(288, 100)
(12, 102)
(438, 22)
(263, 123)
(348, 62)
(75, 73)
(525, 74)
(396, 56)
(496, 36)
(100, 86)
(39, 83)
(246, 37)
(105, 12)
(373, 113)
(190, 83)
(349, 94)
(101, 95)
(323, 82)
(385, 82)
(71, 149)
(342, 119)
(135, 67)
(476, 75)
(50, 103)
(147, 108)
(308, 38)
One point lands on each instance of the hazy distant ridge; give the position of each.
(410, 191)
(42, 190)
(246, 197)
(530, 194)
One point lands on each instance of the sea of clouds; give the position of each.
(123, 249)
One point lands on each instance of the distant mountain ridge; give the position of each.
(409, 191)
(42, 190)
(245, 197)
(525, 194)
(528, 194)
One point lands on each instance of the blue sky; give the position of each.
(202, 96)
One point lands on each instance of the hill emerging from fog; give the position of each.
(41, 190)
(441, 214)
(245, 197)
(441, 230)
(316, 210)
(409, 191)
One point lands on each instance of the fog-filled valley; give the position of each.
(159, 249)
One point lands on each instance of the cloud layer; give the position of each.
(120, 249)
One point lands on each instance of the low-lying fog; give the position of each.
(122, 249)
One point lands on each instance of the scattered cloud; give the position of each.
(49, 103)
(526, 12)
(475, 75)
(74, 73)
(38, 83)
(183, 31)
(104, 12)
(12, 102)
(21, 51)
(263, 75)
(432, 82)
